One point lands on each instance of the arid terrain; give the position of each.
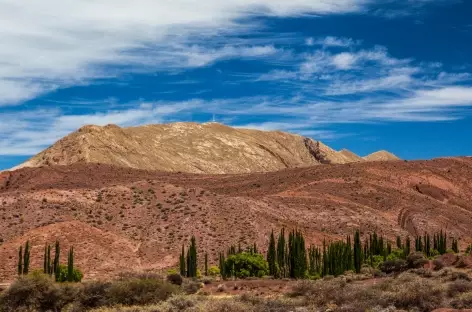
(123, 219)
(195, 148)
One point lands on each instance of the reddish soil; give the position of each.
(119, 218)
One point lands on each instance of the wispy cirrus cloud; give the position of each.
(52, 44)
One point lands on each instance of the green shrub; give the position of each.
(396, 254)
(245, 265)
(63, 275)
(214, 271)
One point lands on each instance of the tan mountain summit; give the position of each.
(190, 147)
(380, 156)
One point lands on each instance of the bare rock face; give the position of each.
(189, 147)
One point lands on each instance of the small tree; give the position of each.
(70, 265)
(206, 264)
(20, 261)
(26, 258)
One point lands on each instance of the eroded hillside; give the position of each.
(139, 219)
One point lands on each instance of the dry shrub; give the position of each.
(191, 287)
(438, 264)
(458, 286)
(226, 306)
(416, 260)
(36, 292)
(410, 291)
(456, 275)
(175, 279)
(463, 301)
(140, 292)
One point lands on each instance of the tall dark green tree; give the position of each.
(45, 260)
(407, 247)
(192, 258)
(56, 265)
(272, 256)
(297, 255)
(357, 252)
(206, 264)
(26, 258)
(20, 261)
(399, 242)
(70, 265)
(48, 260)
(282, 254)
(182, 262)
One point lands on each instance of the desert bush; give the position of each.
(409, 291)
(458, 286)
(140, 292)
(437, 264)
(393, 266)
(416, 260)
(182, 302)
(175, 279)
(191, 287)
(456, 275)
(92, 295)
(302, 288)
(463, 301)
(226, 306)
(35, 292)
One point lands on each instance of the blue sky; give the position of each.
(357, 74)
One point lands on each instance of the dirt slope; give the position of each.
(189, 147)
(143, 217)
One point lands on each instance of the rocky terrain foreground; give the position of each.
(119, 219)
(195, 148)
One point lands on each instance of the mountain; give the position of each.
(120, 218)
(189, 147)
(381, 156)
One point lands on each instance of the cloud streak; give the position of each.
(53, 43)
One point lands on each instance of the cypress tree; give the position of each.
(20, 261)
(206, 264)
(70, 265)
(357, 252)
(272, 256)
(57, 261)
(407, 247)
(281, 253)
(26, 258)
(49, 269)
(182, 262)
(45, 260)
(399, 242)
(192, 258)
(255, 247)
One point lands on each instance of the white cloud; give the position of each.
(344, 60)
(331, 41)
(55, 43)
